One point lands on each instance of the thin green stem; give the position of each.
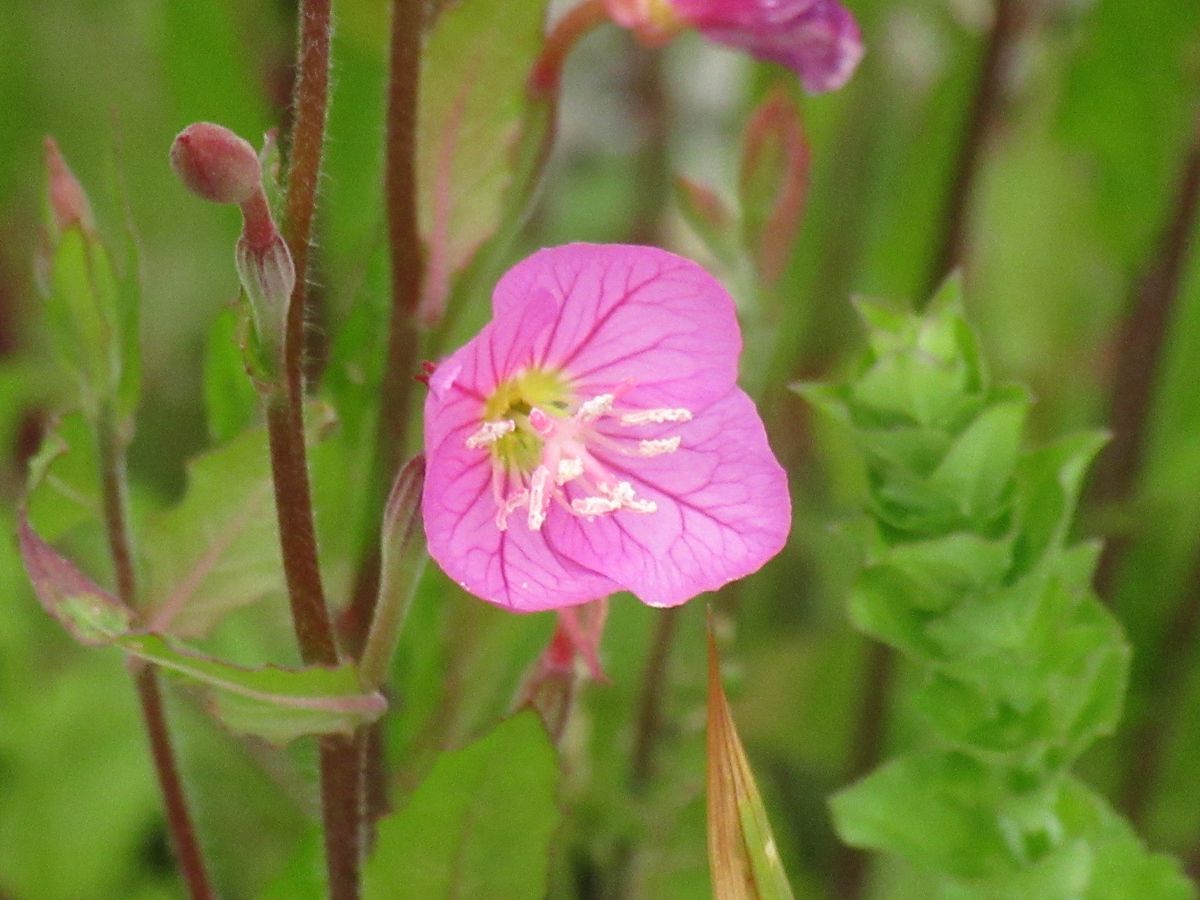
(115, 492)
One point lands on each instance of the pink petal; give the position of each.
(517, 568)
(631, 315)
(818, 39)
(723, 508)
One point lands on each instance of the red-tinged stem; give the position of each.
(179, 821)
(1006, 26)
(567, 32)
(309, 107)
(114, 490)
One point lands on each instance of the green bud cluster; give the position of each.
(972, 577)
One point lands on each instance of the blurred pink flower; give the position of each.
(592, 438)
(817, 39)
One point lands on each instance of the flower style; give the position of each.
(818, 39)
(592, 438)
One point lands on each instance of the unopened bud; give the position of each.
(69, 204)
(216, 164)
(268, 276)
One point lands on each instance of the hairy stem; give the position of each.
(309, 107)
(340, 782)
(339, 765)
(114, 490)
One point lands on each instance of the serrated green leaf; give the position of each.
(1122, 867)
(937, 810)
(474, 96)
(977, 469)
(742, 855)
(480, 824)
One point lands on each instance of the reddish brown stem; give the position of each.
(980, 116)
(404, 239)
(1140, 343)
(309, 106)
(114, 490)
(179, 822)
(340, 782)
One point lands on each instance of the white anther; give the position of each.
(539, 499)
(593, 506)
(656, 416)
(623, 494)
(569, 468)
(593, 409)
(658, 446)
(509, 506)
(490, 432)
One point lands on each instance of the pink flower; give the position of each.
(818, 39)
(592, 438)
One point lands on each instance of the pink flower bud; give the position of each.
(216, 164)
(68, 203)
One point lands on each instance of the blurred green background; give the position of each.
(1080, 173)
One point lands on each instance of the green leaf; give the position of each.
(937, 810)
(64, 478)
(218, 549)
(978, 468)
(230, 401)
(273, 703)
(742, 854)
(773, 183)
(1122, 867)
(472, 113)
(89, 613)
(480, 825)
(82, 314)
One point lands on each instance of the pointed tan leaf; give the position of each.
(742, 855)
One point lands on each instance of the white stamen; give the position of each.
(490, 432)
(569, 468)
(658, 446)
(623, 494)
(614, 498)
(593, 409)
(539, 500)
(509, 506)
(656, 416)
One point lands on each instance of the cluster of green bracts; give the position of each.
(972, 576)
